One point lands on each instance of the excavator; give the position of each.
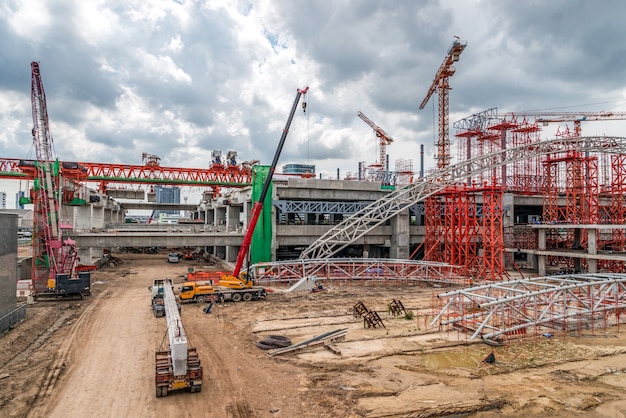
(239, 279)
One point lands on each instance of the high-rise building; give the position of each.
(167, 194)
(3, 200)
(299, 169)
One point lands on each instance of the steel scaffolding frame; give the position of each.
(557, 303)
(362, 222)
(433, 229)
(358, 270)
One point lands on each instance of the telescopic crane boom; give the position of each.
(258, 205)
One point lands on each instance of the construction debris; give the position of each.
(371, 319)
(396, 308)
(325, 340)
(273, 341)
(359, 310)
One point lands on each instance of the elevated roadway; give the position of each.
(156, 238)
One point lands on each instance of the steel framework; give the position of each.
(520, 307)
(358, 269)
(360, 223)
(217, 175)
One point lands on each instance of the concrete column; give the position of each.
(232, 217)
(541, 259)
(400, 236)
(85, 255)
(592, 248)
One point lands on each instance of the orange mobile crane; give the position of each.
(440, 83)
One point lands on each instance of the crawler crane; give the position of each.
(54, 258)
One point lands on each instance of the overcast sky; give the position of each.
(180, 78)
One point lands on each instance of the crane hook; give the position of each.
(304, 107)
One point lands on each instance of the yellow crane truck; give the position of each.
(203, 292)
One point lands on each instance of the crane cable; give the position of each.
(308, 145)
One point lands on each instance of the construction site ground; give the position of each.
(95, 357)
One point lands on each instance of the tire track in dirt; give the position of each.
(60, 360)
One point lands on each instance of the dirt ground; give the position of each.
(95, 358)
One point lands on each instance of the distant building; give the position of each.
(299, 169)
(167, 194)
(18, 196)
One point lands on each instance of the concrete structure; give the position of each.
(8, 257)
(3, 200)
(10, 313)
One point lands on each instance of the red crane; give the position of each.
(235, 280)
(440, 83)
(52, 255)
(384, 138)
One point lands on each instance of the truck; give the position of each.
(177, 365)
(65, 287)
(158, 302)
(202, 292)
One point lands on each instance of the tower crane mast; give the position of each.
(51, 254)
(440, 84)
(384, 138)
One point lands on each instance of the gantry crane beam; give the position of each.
(383, 138)
(440, 84)
(562, 117)
(12, 168)
(358, 224)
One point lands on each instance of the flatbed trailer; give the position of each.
(165, 380)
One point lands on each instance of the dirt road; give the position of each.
(96, 358)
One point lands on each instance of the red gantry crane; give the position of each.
(384, 139)
(54, 258)
(440, 83)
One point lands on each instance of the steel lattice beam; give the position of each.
(564, 302)
(358, 269)
(362, 222)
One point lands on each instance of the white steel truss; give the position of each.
(563, 303)
(360, 223)
(358, 269)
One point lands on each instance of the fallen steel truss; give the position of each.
(564, 303)
(358, 269)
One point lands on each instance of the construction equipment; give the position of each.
(237, 280)
(150, 159)
(158, 299)
(202, 292)
(54, 257)
(383, 137)
(440, 83)
(177, 366)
